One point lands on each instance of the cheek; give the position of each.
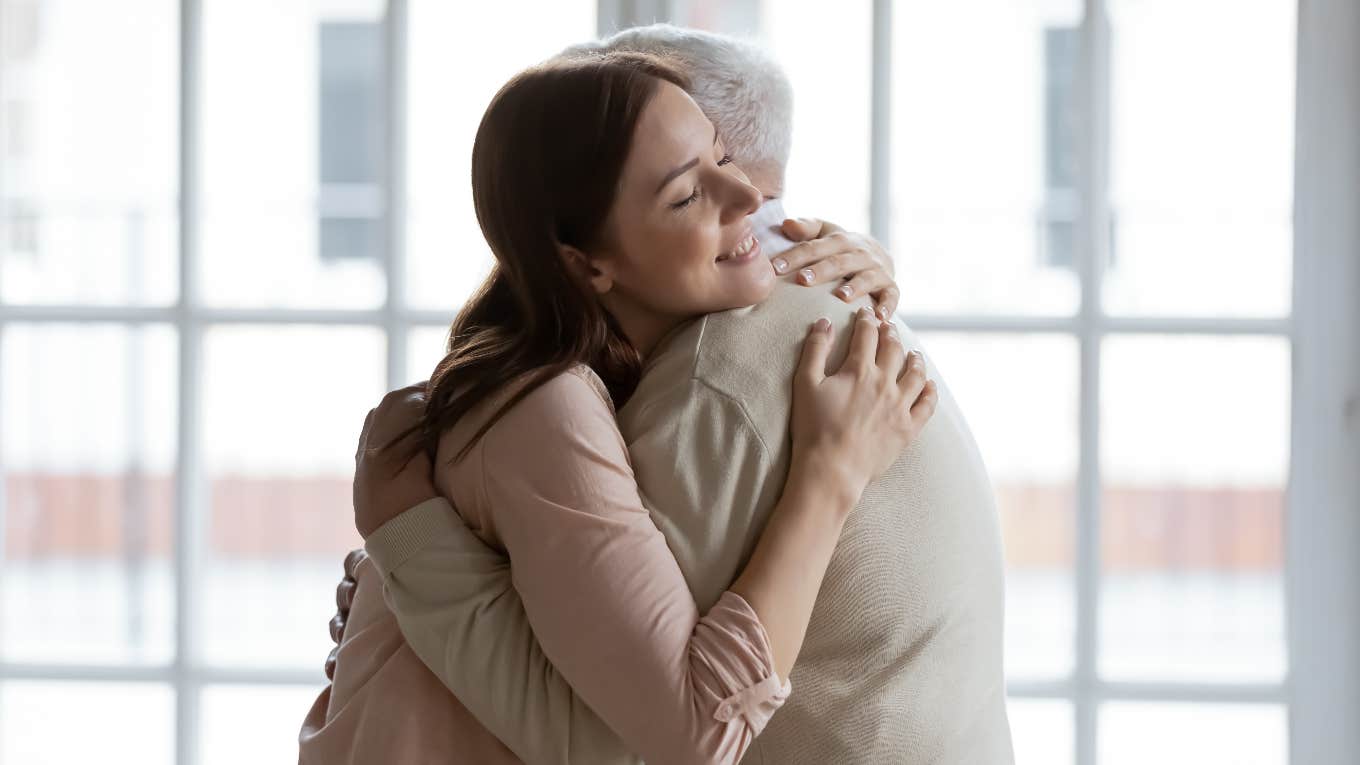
(675, 265)
(674, 272)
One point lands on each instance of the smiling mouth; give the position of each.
(743, 250)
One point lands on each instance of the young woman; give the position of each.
(616, 217)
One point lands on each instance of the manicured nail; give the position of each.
(806, 275)
(844, 291)
(822, 325)
(883, 311)
(780, 265)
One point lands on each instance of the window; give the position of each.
(350, 137)
(1100, 366)
(171, 513)
(171, 510)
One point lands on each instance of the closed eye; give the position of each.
(697, 193)
(682, 204)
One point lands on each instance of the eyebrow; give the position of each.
(681, 170)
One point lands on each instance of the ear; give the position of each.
(587, 271)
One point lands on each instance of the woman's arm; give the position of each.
(461, 586)
(604, 594)
(455, 603)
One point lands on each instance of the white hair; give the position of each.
(735, 82)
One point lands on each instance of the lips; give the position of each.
(744, 250)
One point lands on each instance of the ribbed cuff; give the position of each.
(396, 541)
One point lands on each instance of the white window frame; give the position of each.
(1322, 527)
(1324, 683)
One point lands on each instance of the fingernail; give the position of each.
(843, 291)
(883, 311)
(865, 313)
(780, 265)
(823, 325)
(806, 274)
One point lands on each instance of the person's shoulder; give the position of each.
(762, 344)
(786, 313)
(573, 392)
(562, 402)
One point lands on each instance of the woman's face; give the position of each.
(678, 241)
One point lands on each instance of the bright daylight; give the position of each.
(680, 381)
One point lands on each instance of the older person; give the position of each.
(902, 658)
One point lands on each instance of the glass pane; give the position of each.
(89, 146)
(1041, 731)
(292, 160)
(424, 349)
(283, 407)
(1195, 450)
(984, 164)
(52, 723)
(89, 416)
(1201, 157)
(1026, 429)
(272, 716)
(1191, 734)
(828, 172)
(449, 88)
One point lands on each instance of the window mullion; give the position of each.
(1093, 99)
(1322, 515)
(394, 188)
(880, 126)
(189, 497)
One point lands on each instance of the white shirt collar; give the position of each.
(766, 222)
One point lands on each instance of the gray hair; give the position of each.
(736, 82)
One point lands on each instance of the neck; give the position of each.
(644, 329)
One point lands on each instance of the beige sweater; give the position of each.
(902, 660)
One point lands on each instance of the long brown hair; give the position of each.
(546, 165)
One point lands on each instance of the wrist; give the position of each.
(827, 480)
(377, 512)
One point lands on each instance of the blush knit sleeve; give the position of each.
(604, 596)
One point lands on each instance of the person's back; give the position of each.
(903, 657)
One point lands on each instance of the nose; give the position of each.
(742, 198)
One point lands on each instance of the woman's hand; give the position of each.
(850, 426)
(829, 252)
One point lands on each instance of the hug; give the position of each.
(682, 490)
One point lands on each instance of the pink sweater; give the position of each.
(551, 486)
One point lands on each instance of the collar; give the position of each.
(766, 222)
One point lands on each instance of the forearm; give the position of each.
(459, 613)
(787, 566)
